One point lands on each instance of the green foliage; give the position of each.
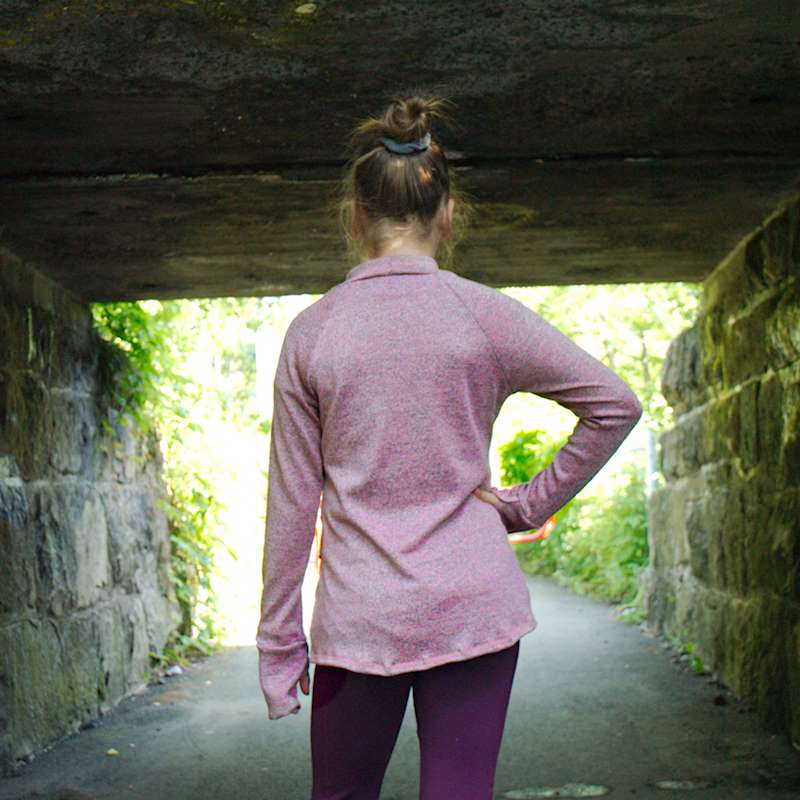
(604, 541)
(525, 455)
(144, 383)
(599, 544)
(688, 648)
(135, 368)
(627, 326)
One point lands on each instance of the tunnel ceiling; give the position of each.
(193, 148)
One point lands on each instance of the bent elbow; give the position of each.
(632, 408)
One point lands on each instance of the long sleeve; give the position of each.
(294, 486)
(534, 356)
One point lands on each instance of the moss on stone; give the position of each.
(744, 535)
(505, 215)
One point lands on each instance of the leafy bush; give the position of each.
(604, 541)
(599, 544)
(143, 383)
(526, 455)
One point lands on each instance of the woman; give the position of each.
(386, 391)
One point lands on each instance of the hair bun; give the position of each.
(407, 119)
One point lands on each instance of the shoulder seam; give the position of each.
(483, 331)
(308, 346)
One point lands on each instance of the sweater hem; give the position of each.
(376, 668)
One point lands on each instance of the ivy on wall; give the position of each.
(145, 385)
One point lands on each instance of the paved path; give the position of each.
(595, 701)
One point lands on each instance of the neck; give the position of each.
(402, 248)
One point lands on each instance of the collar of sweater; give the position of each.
(393, 265)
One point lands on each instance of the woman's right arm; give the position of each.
(534, 356)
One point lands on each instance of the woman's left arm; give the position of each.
(295, 482)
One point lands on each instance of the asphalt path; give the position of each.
(598, 708)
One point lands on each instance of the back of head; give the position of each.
(400, 193)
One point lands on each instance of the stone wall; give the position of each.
(725, 529)
(84, 549)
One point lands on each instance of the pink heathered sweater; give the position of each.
(385, 394)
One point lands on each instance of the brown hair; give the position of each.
(400, 190)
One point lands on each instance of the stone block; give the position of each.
(711, 337)
(697, 535)
(71, 357)
(696, 617)
(783, 327)
(758, 666)
(704, 632)
(665, 514)
(125, 453)
(81, 676)
(789, 455)
(770, 404)
(748, 449)
(38, 694)
(71, 541)
(13, 333)
(680, 446)
(134, 626)
(129, 535)
(711, 518)
(90, 541)
(730, 553)
(13, 498)
(26, 430)
(743, 349)
(40, 333)
(162, 616)
(759, 262)
(657, 514)
(17, 579)
(685, 587)
(113, 642)
(669, 511)
(719, 429)
(773, 549)
(46, 331)
(139, 553)
(680, 378)
(769, 254)
(658, 597)
(73, 431)
(727, 288)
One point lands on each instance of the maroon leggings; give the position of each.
(460, 709)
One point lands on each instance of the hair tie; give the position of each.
(407, 147)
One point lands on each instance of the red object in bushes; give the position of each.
(539, 533)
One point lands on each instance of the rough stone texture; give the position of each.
(725, 529)
(84, 587)
(579, 221)
(181, 148)
(110, 86)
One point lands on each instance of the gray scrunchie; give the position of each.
(407, 147)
